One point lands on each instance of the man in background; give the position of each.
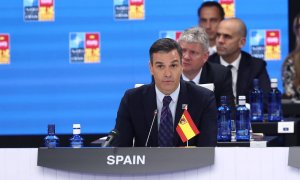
(148, 115)
(231, 37)
(210, 14)
(194, 44)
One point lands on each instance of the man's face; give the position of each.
(229, 41)
(166, 70)
(209, 20)
(193, 57)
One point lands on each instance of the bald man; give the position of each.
(231, 37)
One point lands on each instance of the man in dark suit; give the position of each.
(231, 37)
(138, 107)
(194, 43)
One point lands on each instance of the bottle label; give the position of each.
(225, 128)
(256, 109)
(51, 141)
(274, 109)
(76, 144)
(244, 132)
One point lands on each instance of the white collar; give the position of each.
(174, 95)
(235, 63)
(212, 49)
(196, 79)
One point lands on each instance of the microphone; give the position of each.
(110, 138)
(155, 113)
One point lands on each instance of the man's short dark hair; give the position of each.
(164, 45)
(212, 4)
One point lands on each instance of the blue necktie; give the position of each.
(192, 82)
(229, 66)
(165, 133)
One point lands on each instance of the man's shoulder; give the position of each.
(215, 58)
(138, 91)
(216, 67)
(217, 72)
(253, 60)
(196, 91)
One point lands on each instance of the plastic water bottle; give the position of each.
(76, 141)
(256, 102)
(224, 121)
(51, 140)
(242, 121)
(274, 102)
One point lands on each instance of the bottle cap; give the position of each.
(223, 100)
(51, 129)
(242, 100)
(274, 82)
(76, 128)
(255, 82)
(242, 97)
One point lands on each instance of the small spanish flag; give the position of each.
(186, 127)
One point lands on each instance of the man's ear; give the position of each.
(205, 56)
(242, 42)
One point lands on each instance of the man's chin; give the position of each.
(185, 67)
(168, 91)
(220, 51)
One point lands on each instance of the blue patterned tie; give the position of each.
(165, 133)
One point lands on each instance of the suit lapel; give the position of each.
(215, 58)
(205, 78)
(243, 73)
(182, 99)
(150, 106)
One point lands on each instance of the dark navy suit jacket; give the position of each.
(137, 108)
(221, 77)
(249, 69)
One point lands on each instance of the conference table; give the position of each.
(229, 163)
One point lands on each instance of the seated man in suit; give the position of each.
(166, 95)
(194, 43)
(231, 37)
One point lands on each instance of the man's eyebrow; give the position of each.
(175, 61)
(158, 62)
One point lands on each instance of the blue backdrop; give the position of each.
(41, 86)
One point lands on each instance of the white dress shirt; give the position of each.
(196, 79)
(212, 50)
(173, 104)
(234, 71)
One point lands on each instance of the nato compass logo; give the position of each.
(31, 10)
(84, 47)
(265, 44)
(129, 9)
(257, 43)
(38, 10)
(170, 34)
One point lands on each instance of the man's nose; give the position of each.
(185, 55)
(167, 72)
(207, 25)
(220, 39)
